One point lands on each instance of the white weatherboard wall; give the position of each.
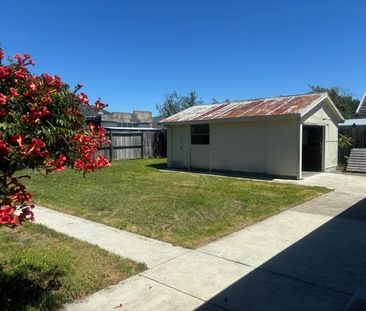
(178, 142)
(268, 147)
(283, 148)
(322, 115)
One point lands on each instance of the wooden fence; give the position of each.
(358, 134)
(135, 145)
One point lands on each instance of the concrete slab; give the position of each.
(142, 249)
(341, 182)
(258, 243)
(138, 293)
(233, 286)
(263, 291)
(327, 251)
(198, 274)
(332, 256)
(331, 204)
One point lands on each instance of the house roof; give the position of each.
(89, 112)
(357, 122)
(263, 107)
(361, 109)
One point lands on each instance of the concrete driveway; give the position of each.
(311, 257)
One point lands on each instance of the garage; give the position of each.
(278, 136)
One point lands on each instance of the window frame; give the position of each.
(200, 134)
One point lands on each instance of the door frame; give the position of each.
(323, 144)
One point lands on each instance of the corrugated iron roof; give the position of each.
(273, 106)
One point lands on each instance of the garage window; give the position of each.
(200, 134)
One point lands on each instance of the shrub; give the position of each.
(41, 127)
(344, 144)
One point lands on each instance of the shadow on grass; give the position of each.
(28, 287)
(158, 166)
(319, 272)
(255, 176)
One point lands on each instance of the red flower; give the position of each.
(4, 148)
(19, 58)
(3, 112)
(31, 86)
(35, 148)
(58, 165)
(21, 73)
(35, 114)
(6, 210)
(46, 99)
(73, 111)
(52, 81)
(2, 55)
(99, 105)
(4, 72)
(83, 98)
(3, 99)
(91, 126)
(17, 139)
(8, 220)
(13, 92)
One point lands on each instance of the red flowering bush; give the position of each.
(41, 127)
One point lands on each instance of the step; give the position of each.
(357, 160)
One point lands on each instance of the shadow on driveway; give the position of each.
(319, 272)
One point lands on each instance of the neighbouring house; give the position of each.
(156, 122)
(356, 128)
(91, 116)
(127, 119)
(135, 119)
(279, 136)
(361, 109)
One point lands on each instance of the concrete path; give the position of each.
(311, 257)
(139, 248)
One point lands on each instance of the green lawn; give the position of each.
(41, 269)
(184, 209)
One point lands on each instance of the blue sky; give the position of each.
(131, 53)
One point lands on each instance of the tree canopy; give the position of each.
(341, 97)
(174, 103)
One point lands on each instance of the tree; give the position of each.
(343, 100)
(41, 128)
(173, 103)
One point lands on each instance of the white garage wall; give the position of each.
(283, 148)
(238, 146)
(270, 147)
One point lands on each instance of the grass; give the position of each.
(184, 209)
(41, 269)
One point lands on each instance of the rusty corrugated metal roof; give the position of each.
(273, 106)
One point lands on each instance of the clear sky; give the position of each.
(130, 53)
